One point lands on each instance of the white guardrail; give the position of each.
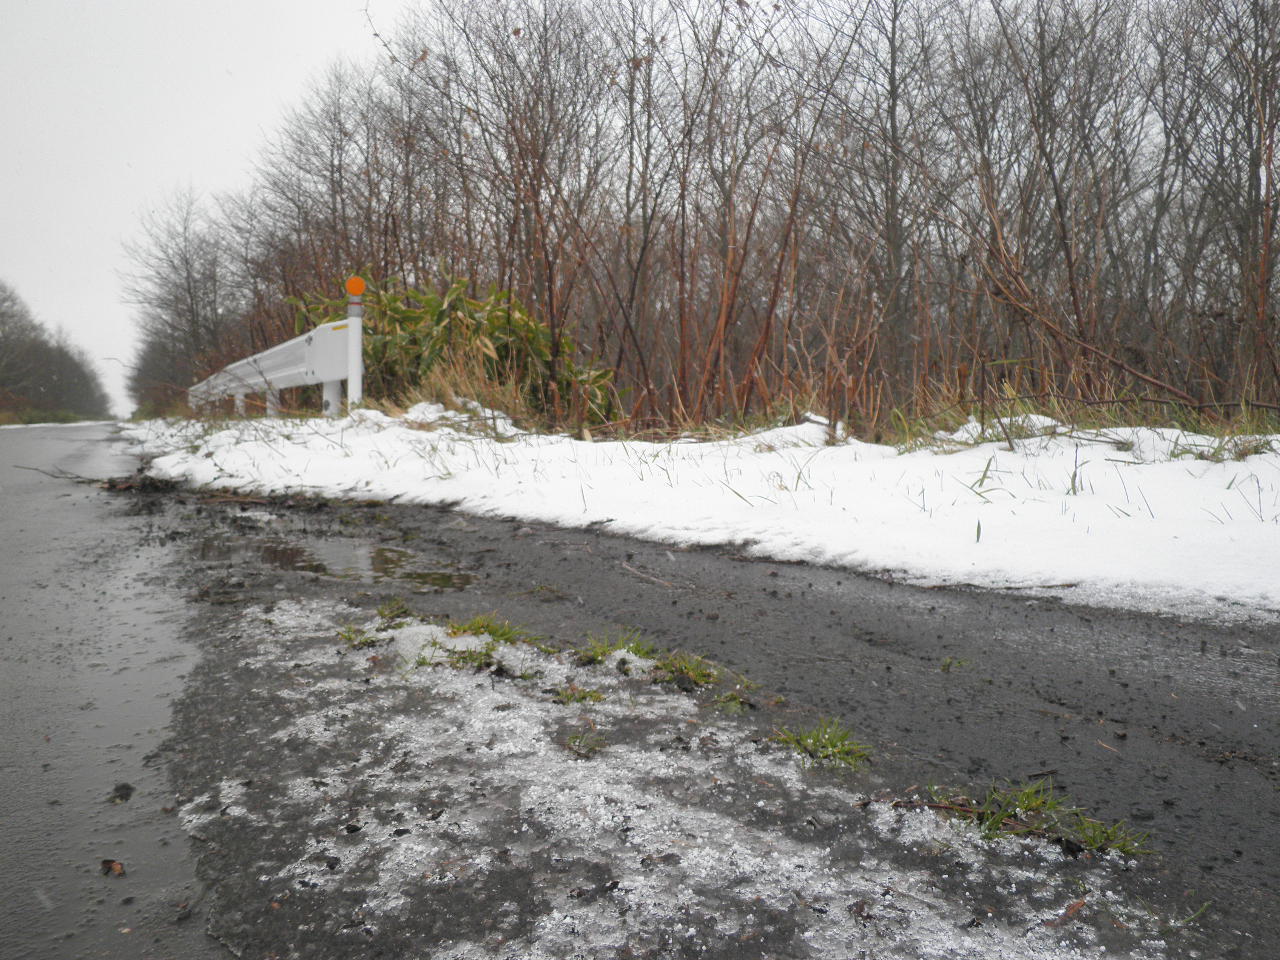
(329, 354)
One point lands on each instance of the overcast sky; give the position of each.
(109, 107)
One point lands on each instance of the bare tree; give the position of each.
(42, 375)
(734, 206)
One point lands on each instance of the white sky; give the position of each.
(109, 107)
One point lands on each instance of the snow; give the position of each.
(1142, 518)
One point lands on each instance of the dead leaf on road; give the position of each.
(1066, 914)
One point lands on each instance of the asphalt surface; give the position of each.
(1170, 725)
(91, 654)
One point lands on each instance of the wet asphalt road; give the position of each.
(91, 654)
(1171, 725)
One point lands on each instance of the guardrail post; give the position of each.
(273, 403)
(332, 397)
(355, 344)
(239, 404)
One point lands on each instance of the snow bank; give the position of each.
(1149, 519)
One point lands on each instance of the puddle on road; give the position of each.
(342, 559)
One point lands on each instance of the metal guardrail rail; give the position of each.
(327, 355)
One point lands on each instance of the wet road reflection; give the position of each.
(90, 659)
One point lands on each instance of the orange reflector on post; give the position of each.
(355, 286)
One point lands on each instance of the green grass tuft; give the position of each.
(685, 670)
(829, 743)
(488, 624)
(1037, 809)
(481, 658)
(598, 649)
(576, 694)
(733, 702)
(393, 613)
(356, 638)
(585, 744)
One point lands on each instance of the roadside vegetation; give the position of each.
(667, 216)
(43, 377)
(446, 346)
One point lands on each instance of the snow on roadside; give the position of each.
(463, 820)
(1132, 517)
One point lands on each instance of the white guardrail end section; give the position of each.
(327, 355)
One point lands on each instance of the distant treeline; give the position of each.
(862, 205)
(42, 377)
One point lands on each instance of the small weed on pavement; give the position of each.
(356, 638)
(572, 693)
(585, 743)
(501, 631)
(1037, 809)
(685, 670)
(830, 742)
(598, 649)
(393, 613)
